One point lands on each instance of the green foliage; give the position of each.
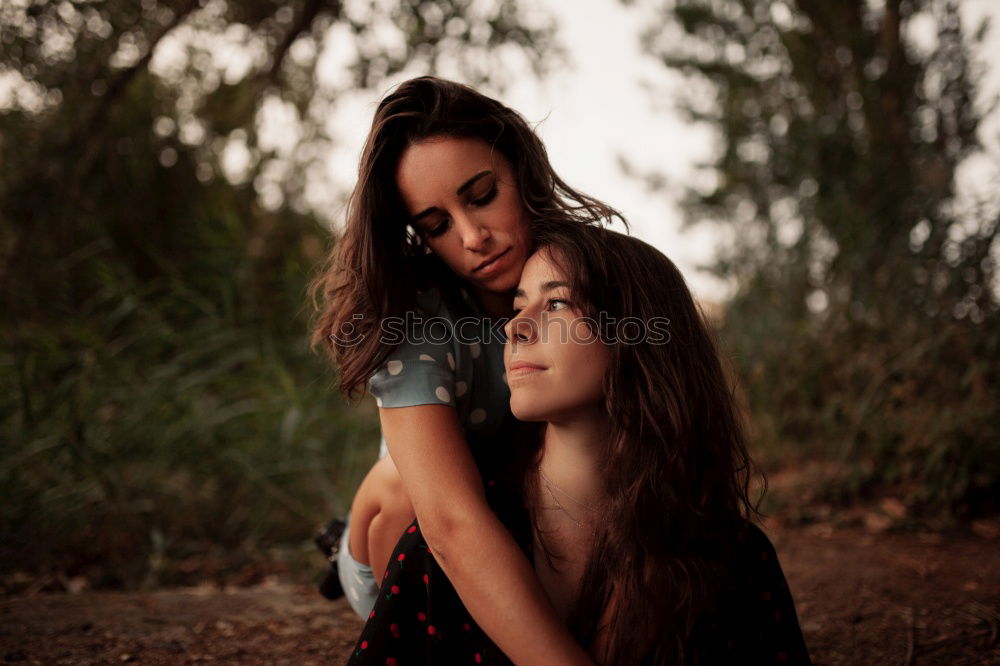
(132, 426)
(160, 405)
(864, 324)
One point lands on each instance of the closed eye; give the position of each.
(438, 229)
(441, 227)
(486, 198)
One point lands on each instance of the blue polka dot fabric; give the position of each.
(448, 356)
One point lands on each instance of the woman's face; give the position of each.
(555, 362)
(463, 200)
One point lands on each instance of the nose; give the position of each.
(521, 330)
(475, 235)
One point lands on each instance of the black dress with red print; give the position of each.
(419, 618)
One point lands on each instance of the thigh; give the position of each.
(418, 617)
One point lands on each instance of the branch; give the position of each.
(88, 130)
(121, 82)
(302, 24)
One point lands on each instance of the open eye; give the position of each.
(554, 302)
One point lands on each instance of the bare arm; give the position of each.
(492, 576)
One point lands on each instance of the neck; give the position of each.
(572, 455)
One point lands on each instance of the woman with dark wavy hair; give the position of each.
(633, 471)
(450, 186)
(639, 487)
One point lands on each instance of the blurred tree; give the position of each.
(245, 90)
(163, 196)
(865, 316)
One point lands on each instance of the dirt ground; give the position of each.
(862, 598)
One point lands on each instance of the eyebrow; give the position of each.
(461, 189)
(547, 286)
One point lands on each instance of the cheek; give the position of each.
(512, 213)
(576, 381)
(586, 362)
(584, 379)
(446, 248)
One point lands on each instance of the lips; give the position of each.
(490, 261)
(524, 365)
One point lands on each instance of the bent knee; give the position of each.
(392, 497)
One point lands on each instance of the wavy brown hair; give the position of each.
(677, 467)
(376, 268)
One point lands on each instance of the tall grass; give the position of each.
(151, 427)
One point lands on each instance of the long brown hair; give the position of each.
(677, 467)
(376, 268)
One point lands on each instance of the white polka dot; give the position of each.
(461, 388)
(451, 361)
(442, 394)
(478, 415)
(378, 401)
(394, 367)
(475, 349)
(426, 357)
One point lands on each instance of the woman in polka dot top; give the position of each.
(412, 301)
(629, 490)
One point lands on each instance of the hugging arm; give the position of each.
(489, 571)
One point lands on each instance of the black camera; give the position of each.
(328, 542)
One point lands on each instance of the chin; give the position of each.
(504, 282)
(524, 409)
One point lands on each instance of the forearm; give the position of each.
(489, 571)
(499, 588)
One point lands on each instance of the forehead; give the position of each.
(541, 267)
(443, 163)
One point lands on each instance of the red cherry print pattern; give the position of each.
(769, 589)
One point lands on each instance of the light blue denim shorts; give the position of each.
(358, 581)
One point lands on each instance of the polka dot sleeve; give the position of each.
(416, 374)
